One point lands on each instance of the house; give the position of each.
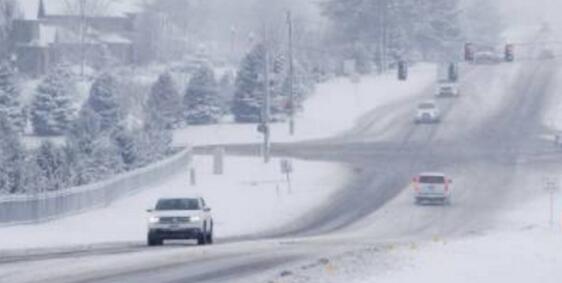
(94, 34)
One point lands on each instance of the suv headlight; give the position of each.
(195, 219)
(154, 219)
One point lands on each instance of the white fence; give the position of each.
(16, 209)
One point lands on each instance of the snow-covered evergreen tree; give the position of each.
(104, 101)
(128, 147)
(10, 106)
(12, 159)
(482, 21)
(201, 100)
(85, 131)
(363, 58)
(303, 85)
(10, 10)
(52, 109)
(440, 35)
(154, 143)
(93, 157)
(249, 85)
(396, 29)
(226, 90)
(52, 168)
(164, 102)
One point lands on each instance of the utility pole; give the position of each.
(82, 11)
(291, 106)
(383, 9)
(266, 101)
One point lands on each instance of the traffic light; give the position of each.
(509, 56)
(263, 128)
(469, 52)
(402, 70)
(453, 72)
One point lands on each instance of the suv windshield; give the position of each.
(432, 179)
(178, 204)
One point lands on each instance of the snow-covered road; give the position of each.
(371, 231)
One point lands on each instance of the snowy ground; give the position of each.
(241, 195)
(521, 246)
(553, 117)
(334, 108)
(249, 198)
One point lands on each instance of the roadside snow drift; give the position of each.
(251, 197)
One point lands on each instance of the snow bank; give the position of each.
(333, 109)
(524, 256)
(521, 246)
(251, 197)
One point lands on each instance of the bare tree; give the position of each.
(9, 11)
(85, 10)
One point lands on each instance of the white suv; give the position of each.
(432, 187)
(428, 112)
(180, 218)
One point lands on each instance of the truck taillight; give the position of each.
(416, 184)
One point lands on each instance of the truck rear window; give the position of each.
(432, 179)
(426, 106)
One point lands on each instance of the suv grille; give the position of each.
(169, 220)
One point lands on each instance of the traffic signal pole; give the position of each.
(291, 105)
(266, 101)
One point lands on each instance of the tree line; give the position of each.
(381, 32)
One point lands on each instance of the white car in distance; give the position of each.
(180, 219)
(432, 187)
(428, 112)
(447, 89)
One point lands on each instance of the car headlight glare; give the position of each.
(195, 219)
(154, 219)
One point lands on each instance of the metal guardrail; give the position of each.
(20, 209)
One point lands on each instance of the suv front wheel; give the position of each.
(152, 240)
(210, 235)
(202, 237)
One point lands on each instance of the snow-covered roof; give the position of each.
(47, 35)
(69, 7)
(113, 38)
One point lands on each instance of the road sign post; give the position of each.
(552, 186)
(218, 160)
(192, 177)
(287, 169)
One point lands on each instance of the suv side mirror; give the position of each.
(207, 209)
